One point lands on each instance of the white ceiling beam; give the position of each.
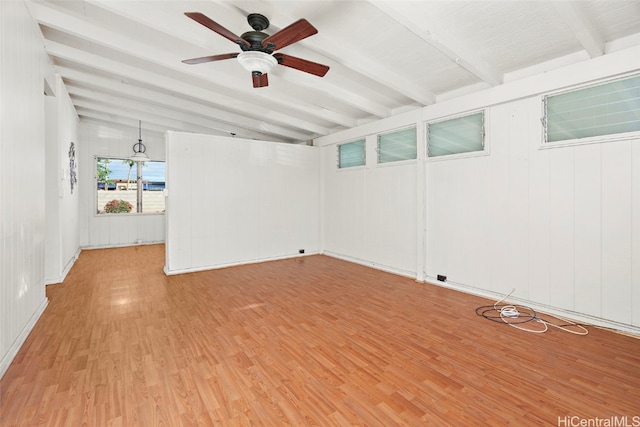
(345, 96)
(349, 57)
(170, 101)
(375, 71)
(150, 16)
(590, 39)
(110, 119)
(144, 115)
(53, 18)
(161, 19)
(163, 112)
(133, 73)
(447, 46)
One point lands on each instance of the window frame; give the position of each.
(97, 213)
(401, 161)
(364, 152)
(479, 153)
(598, 139)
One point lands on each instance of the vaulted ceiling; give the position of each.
(121, 60)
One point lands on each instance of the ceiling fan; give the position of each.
(257, 47)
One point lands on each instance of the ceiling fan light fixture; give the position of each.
(256, 61)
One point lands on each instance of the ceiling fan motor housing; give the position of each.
(257, 21)
(255, 38)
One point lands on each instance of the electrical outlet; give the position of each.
(442, 278)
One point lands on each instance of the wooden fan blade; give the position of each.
(214, 26)
(260, 80)
(210, 58)
(297, 31)
(301, 64)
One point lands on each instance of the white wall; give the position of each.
(62, 243)
(23, 66)
(97, 139)
(369, 213)
(560, 225)
(234, 201)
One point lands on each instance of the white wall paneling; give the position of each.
(588, 227)
(558, 224)
(540, 213)
(561, 219)
(421, 205)
(459, 200)
(53, 188)
(616, 220)
(23, 67)
(62, 206)
(635, 234)
(497, 193)
(234, 201)
(561, 227)
(519, 137)
(369, 212)
(97, 139)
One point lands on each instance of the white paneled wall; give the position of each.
(234, 201)
(97, 139)
(23, 65)
(369, 213)
(62, 243)
(560, 225)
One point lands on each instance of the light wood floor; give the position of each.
(306, 341)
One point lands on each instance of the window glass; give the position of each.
(351, 154)
(605, 109)
(117, 186)
(397, 145)
(455, 136)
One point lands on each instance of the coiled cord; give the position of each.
(515, 316)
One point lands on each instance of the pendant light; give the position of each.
(139, 148)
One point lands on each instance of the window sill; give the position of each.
(482, 153)
(590, 140)
(131, 214)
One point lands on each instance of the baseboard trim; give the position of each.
(72, 261)
(65, 270)
(233, 264)
(382, 267)
(20, 339)
(121, 245)
(582, 318)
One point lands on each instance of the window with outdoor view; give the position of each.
(124, 186)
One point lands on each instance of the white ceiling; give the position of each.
(121, 60)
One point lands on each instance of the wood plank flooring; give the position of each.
(306, 341)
